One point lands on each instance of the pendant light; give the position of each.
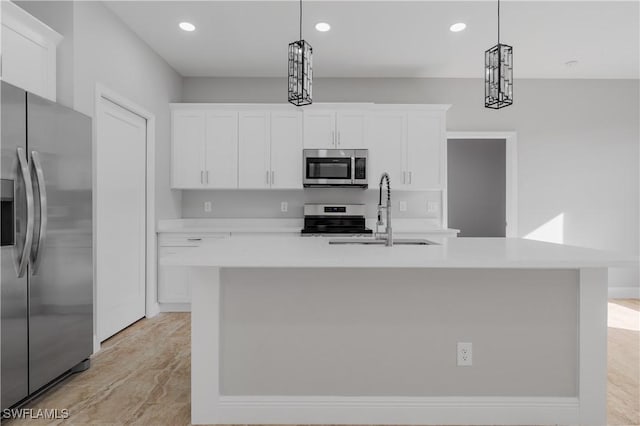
(498, 74)
(300, 70)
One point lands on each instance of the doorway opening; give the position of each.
(482, 183)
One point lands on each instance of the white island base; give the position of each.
(354, 345)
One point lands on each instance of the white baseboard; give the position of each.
(175, 307)
(96, 344)
(392, 410)
(630, 292)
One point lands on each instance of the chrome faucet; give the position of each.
(389, 235)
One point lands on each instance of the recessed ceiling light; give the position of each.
(458, 27)
(323, 27)
(187, 26)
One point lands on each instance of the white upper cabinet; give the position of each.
(351, 129)
(260, 146)
(188, 150)
(410, 145)
(426, 144)
(386, 152)
(222, 150)
(28, 52)
(319, 129)
(335, 129)
(270, 149)
(286, 149)
(204, 149)
(254, 150)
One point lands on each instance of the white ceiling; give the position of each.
(391, 38)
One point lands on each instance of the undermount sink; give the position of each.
(373, 241)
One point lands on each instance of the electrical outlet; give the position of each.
(433, 206)
(465, 354)
(403, 206)
(284, 207)
(207, 206)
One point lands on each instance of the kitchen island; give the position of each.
(294, 330)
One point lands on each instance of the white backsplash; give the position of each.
(267, 203)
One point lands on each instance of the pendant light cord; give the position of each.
(498, 20)
(301, 20)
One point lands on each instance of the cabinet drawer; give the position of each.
(189, 240)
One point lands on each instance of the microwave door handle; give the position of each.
(353, 170)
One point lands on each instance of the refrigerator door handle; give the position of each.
(42, 191)
(28, 187)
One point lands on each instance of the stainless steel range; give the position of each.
(335, 219)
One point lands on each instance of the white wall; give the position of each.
(578, 144)
(108, 52)
(99, 48)
(266, 204)
(388, 332)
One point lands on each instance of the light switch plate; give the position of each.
(207, 206)
(403, 206)
(433, 206)
(284, 207)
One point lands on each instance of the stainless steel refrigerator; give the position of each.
(47, 271)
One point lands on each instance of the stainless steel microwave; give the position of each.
(335, 168)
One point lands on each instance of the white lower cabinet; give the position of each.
(173, 281)
(174, 287)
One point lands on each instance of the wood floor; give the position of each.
(142, 375)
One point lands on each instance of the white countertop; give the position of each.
(284, 226)
(247, 251)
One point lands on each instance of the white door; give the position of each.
(222, 150)
(387, 147)
(425, 145)
(188, 149)
(120, 218)
(320, 129)
(351, 128)
(253, 157)
(286, 150)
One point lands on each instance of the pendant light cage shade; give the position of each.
(300, 73)
(498, 76)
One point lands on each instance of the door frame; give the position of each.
(151, 301)
(511, 172)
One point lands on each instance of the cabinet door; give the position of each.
(351, 129)
(320, 129)
(28, 52)
(173, 284)
(188, 149)
(222, 150)
(253, 149)
(173, 281)
(286, 149)
(387, 147)
(425, 145)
